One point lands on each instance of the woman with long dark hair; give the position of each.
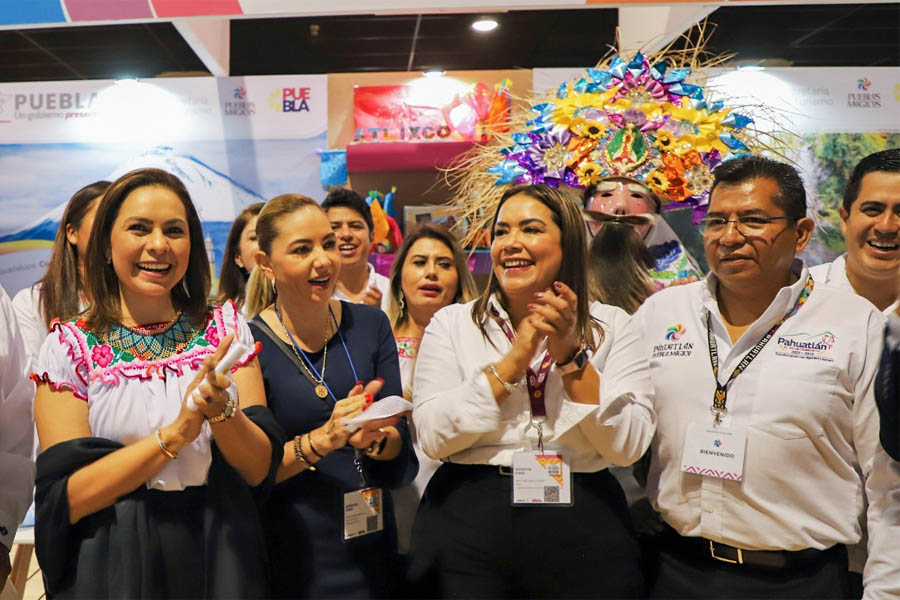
(528, 394)
(240, 256)
(61, 293)
(430, 271)
(618, 266)
(139, 493)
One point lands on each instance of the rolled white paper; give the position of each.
(235, 351)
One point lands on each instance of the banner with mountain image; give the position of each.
(233, 141)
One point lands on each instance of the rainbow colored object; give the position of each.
(634, 119)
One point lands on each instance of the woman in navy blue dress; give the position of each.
(329, 520)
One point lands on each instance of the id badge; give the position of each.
(363, 512)
(541, 479)
(714, 451)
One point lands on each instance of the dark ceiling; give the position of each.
(801, 35)
(101, 52)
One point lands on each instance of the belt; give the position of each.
(707, 549)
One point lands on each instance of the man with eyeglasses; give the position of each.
(767, 437)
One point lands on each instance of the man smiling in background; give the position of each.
(870, 220)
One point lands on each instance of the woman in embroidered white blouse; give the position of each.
(117, 514)
(429, 272)
(529, 393)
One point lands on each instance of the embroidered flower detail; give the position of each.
(102, 355)
(212, 335)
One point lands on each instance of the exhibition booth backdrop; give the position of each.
(239, 140)
(233, 141)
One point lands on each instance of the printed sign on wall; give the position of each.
(233, 141)
(431, 110)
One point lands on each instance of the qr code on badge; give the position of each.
(371, 524)
(551, 493)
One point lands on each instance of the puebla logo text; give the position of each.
(290, 100)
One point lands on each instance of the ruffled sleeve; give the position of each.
(62, 361)
(228, 320)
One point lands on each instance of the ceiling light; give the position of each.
(484, 25)
(434, 73)
(751, 68)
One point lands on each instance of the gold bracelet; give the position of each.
(162, 446)
(300, 455)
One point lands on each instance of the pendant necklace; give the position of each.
(317, 379)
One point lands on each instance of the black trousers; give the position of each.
(682, 575)
(469, 541)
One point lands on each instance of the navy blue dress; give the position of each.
(303, 519)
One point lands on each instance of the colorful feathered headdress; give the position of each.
(640, 118)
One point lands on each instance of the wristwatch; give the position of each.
(575, 364)
(228, 411)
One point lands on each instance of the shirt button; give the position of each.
(709, 508)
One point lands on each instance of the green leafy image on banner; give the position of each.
(828, 162)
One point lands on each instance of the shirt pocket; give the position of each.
(794, 401)
(787, 449)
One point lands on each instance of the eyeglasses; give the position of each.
(746, 225)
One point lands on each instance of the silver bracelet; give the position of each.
(509, 387)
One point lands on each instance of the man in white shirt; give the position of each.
(16, 432)
(351, 221)
(870, 220)
(767, 438)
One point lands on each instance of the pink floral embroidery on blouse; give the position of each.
(102, 355)
(212, 335)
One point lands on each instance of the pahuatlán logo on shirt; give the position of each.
(672, 345)
(819, 346)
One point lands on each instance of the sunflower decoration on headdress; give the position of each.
(638, 118)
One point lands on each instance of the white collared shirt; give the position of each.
(30, 316)
(834, 274)
(458, 418)
(27, 304)
(812, 426)
(16, 425)
(376, 280)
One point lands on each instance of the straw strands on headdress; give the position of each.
(644, 117)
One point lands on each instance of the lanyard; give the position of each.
(306, 357)
(720, 397)
(536, 381)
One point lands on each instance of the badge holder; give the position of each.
(363, 509)
(541, 477)
(716, 451)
